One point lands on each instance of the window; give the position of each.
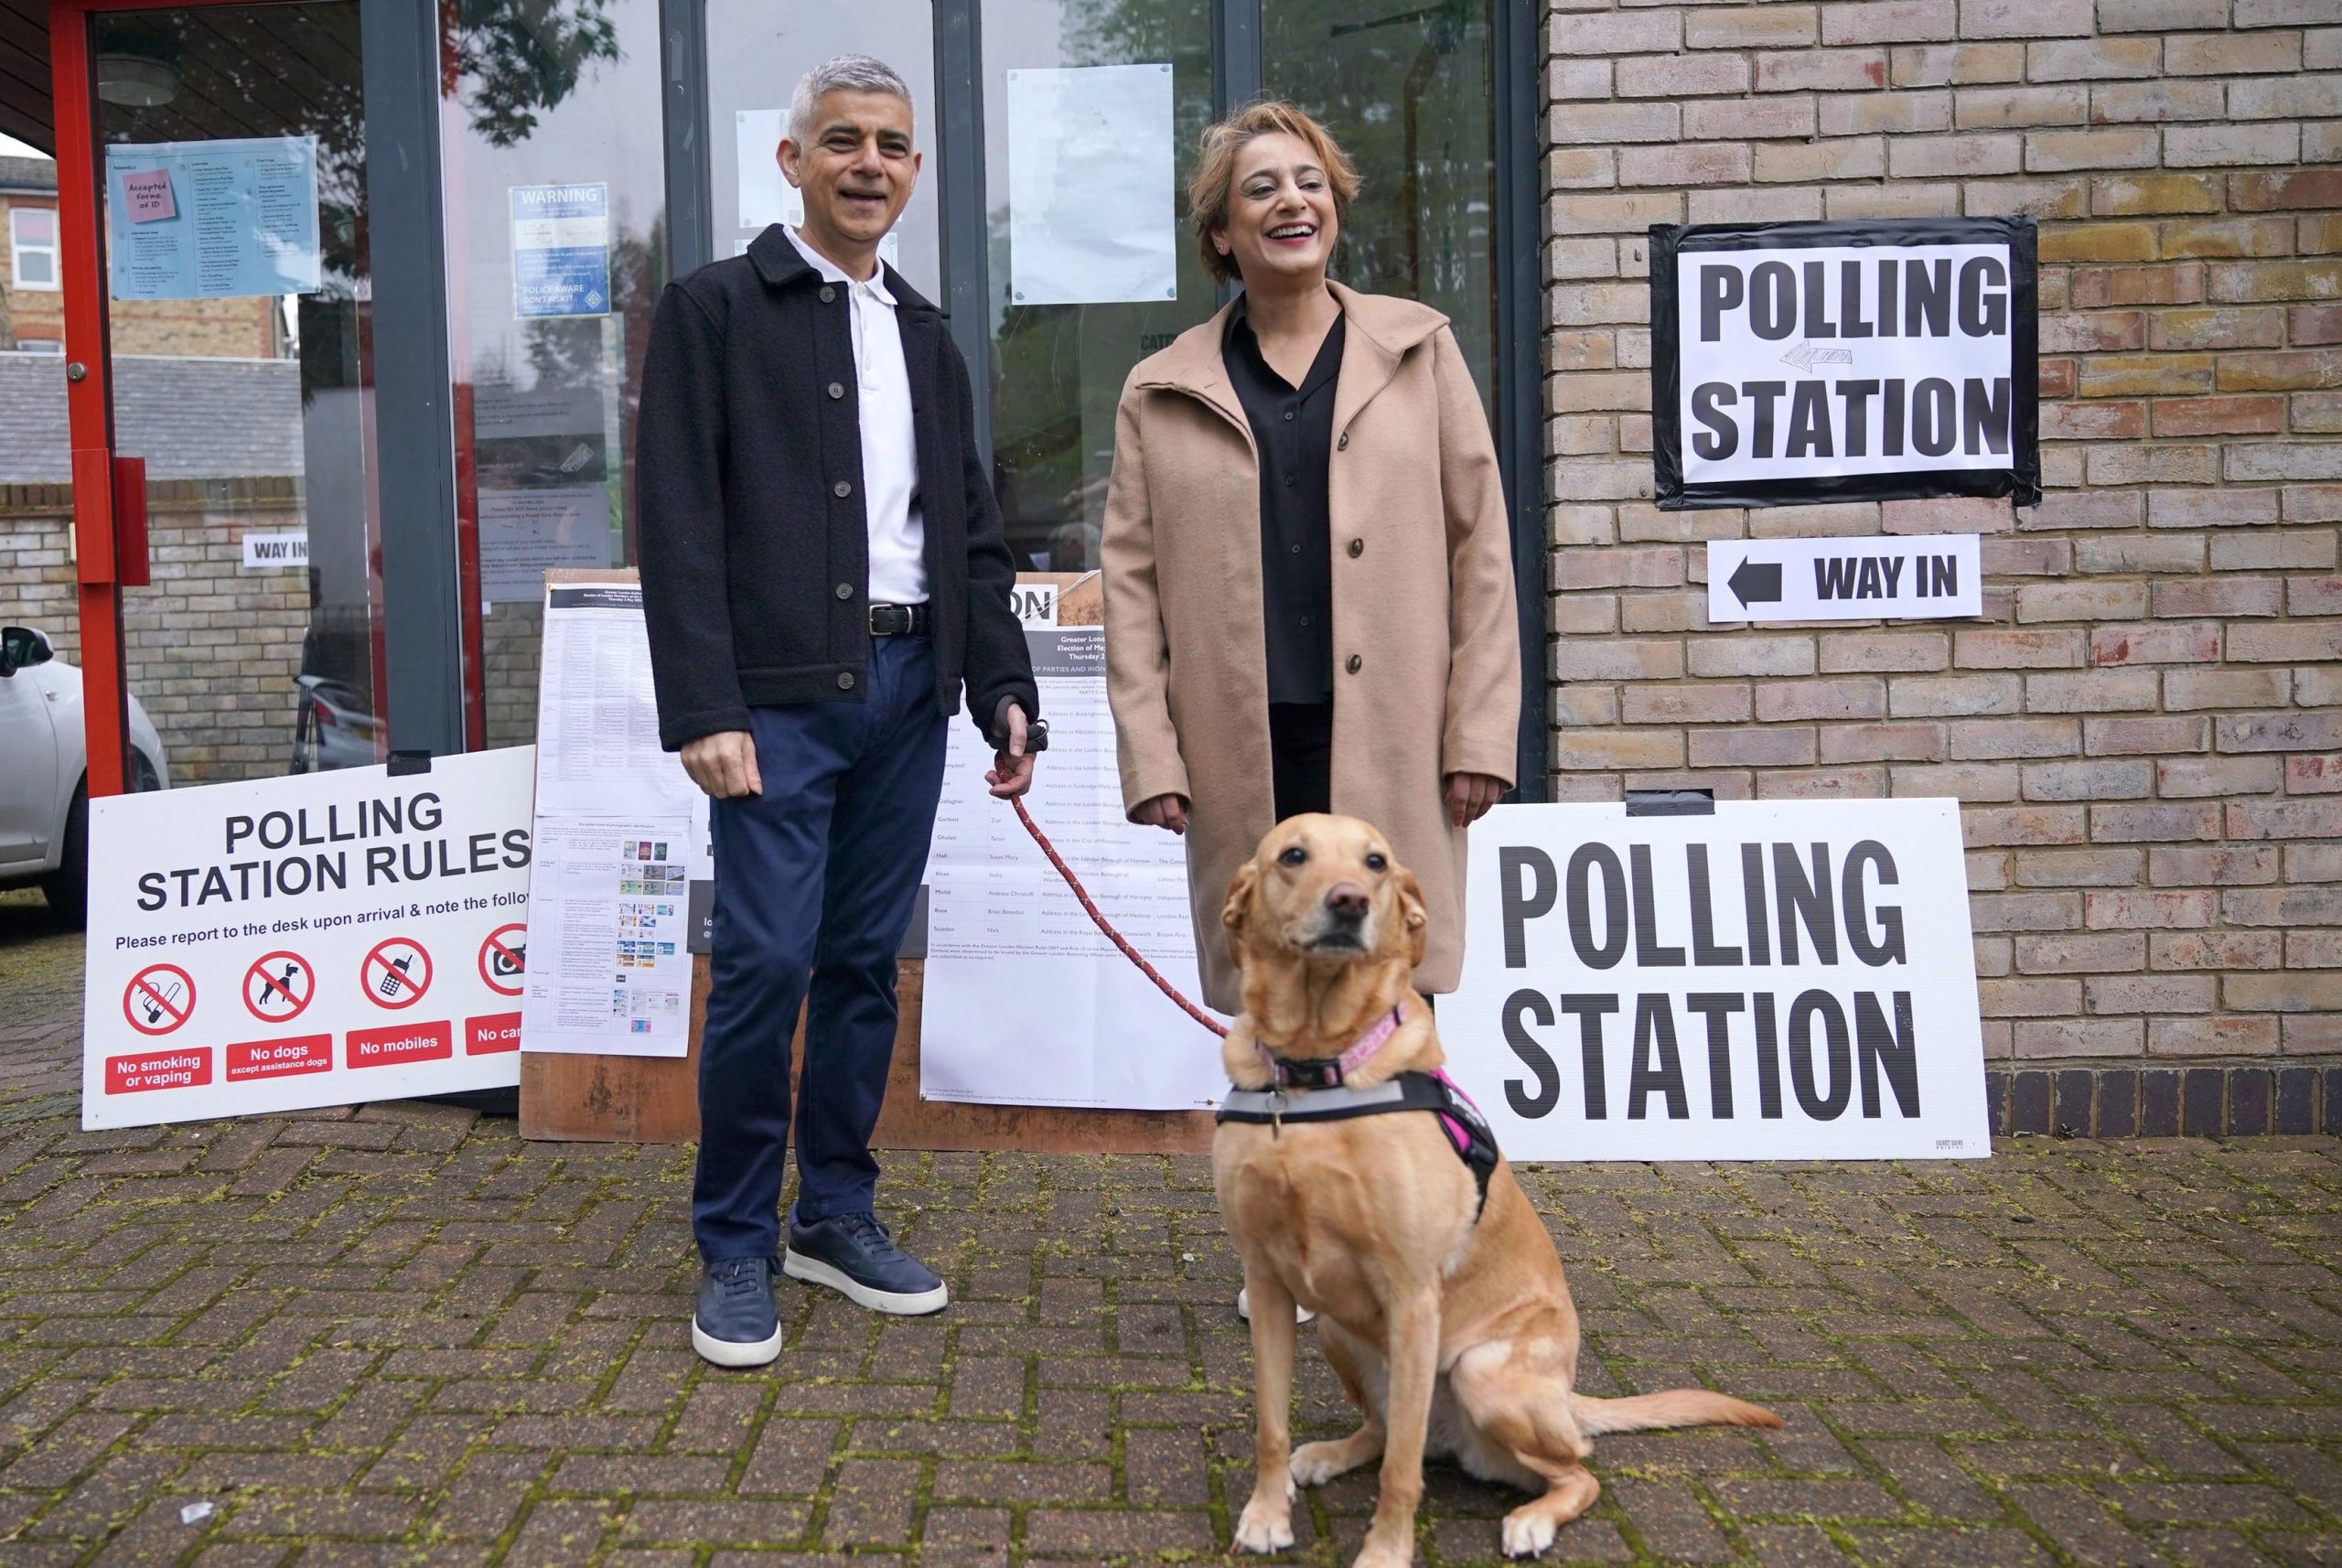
(39, 346)
(32, 234)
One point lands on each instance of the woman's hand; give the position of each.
(1166, 811)
(1469, 796)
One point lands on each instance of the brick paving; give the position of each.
(403, 1335)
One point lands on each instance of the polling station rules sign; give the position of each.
(320, 940)
(1772, 980)
(1863, 360)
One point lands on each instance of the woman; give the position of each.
(1308, 574)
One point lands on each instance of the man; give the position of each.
(823, 565)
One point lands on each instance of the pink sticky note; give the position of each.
(147, 196)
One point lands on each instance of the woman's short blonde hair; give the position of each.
(1214, 175)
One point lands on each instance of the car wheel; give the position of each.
(143, 776)
(67, 887)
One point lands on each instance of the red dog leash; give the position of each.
(1113, 936)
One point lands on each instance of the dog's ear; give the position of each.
(1412, 914)
(1233, 910)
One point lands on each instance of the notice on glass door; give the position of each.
(1093, 216)
(213, 220)
(560, 250)
(523, 534)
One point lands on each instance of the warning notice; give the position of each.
(158, 999)
(279, 1058)
(287, 942)
(1769, 980)
(279, 987)
(162, 1070)
(409, 1043)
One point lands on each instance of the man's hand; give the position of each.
(1469, 796)
(1011, 767)
(723, 764)
(1168, 813)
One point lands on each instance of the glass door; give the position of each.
(220, 380)
(1086, 119)
(555, 203)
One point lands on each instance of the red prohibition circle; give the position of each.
(494, 942)
(280, 984)
(405, 990)
(157, 1005)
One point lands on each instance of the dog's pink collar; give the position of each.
(1321, 1072)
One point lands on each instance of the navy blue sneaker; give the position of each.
(853, 1254)
(735, 1324)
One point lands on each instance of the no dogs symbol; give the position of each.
(396, 974)
(159, 999)
(279, 987)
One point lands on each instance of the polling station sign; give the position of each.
(1769, 980)
(319, 939)
(1871, 361)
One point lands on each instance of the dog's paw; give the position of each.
(1314, 1464)
(1374, 1556)
(1528, 1533)
(1265, 1527)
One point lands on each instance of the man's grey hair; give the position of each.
(843, 73)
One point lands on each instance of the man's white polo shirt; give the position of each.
(889, 447)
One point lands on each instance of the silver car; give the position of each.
(44, 786)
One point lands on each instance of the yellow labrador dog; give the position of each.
(1440, 1299)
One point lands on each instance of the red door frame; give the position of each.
(89, 401)
(108, 492)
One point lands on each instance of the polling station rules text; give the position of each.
(393, 840)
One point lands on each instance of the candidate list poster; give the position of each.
(1776, 980)
(1871, 361)
(318, 940)
(1026, 1001)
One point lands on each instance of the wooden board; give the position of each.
(649, 1100)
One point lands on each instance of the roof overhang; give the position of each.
(25, 111)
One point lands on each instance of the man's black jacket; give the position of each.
(754, 549)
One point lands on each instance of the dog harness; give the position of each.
(1324, 1096)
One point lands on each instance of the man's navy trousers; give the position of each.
(815, 881)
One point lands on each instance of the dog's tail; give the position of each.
(1671, 1407)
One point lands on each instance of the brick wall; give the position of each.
(245, 328)
(211, 648)
(2145, 727)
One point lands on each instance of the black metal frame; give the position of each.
(414, 400)
(1520, 364)
(1238, 76)
(683, 84)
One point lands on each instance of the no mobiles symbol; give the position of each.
(160, 998)
(504, 959)
(279, 987)
(396, 974)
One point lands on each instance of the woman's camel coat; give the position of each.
(1426, 653)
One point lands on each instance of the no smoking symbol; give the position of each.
(396, 974)
(158, 999)
(504, 959)
(278, 987)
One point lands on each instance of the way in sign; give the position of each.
(1926, 578)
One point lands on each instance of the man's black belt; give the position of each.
(899, 620)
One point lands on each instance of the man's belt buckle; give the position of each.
(892, 620)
